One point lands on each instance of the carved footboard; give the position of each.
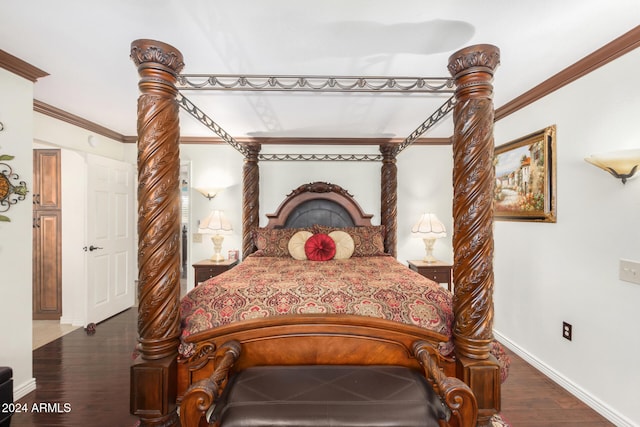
(456, 395)
(202, 394)
(310, 340)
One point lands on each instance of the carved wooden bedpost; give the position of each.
(153, 374)
(250, 197)
(474, 181)
(389, 197)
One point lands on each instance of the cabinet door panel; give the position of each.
(47, 295)
(47, 190)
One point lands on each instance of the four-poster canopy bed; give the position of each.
(190, 369)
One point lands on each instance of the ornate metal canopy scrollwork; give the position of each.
(315, 83)
(439, 114)
(202, 117)
(321, 157)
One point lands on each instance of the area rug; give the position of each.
(499, 421)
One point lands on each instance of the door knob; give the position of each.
(93, 248)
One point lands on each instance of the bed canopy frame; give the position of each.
(154, 373)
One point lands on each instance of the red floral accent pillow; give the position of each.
(320, 247)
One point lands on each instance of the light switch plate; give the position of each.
(630, 271)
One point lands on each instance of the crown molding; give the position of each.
(20, 67)
(609, 52)
(56, 113)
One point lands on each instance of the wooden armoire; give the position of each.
(47, 235)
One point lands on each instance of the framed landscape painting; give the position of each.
(526, 178)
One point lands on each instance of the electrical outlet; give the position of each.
(197, 238)
(567, 330)
(630, 271)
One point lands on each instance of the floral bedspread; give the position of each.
(376, 286)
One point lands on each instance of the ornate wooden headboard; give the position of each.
(318, 203)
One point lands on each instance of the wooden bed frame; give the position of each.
(315, 339)
(158, 378)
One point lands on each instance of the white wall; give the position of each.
(362, 179)
(24, 130)
(549, 273)
(16, 114)
(57, 133)
(425, 185)
(213, 166)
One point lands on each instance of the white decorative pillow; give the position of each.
(344, 244)
(296, 244)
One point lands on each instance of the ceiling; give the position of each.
(84, 46)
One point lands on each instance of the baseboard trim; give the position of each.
(73, 322)
(23, 389)
(596, 404)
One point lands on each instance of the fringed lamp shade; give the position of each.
(429, 228)
(217, 225)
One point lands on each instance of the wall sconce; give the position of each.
(429, 228)
(209, 193)
(621, 164)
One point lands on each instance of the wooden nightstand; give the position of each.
(437, 271)
(207, 269)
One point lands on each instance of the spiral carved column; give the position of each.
(153, 376)
(250, 197)
(474, 181)
(389, 198)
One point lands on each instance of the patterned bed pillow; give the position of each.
(368, 240)
(273, 242)
(296, 245)
(320, 247)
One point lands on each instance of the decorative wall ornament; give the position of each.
(12, 190)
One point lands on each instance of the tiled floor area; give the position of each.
(45, 331)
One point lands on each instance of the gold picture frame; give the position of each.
(525, 171)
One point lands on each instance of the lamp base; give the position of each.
(217, 258)
(217, 248)
(428, 246)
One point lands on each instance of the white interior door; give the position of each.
(110, 238)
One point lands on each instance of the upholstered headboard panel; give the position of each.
(319, 211)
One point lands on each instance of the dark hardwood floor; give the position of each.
(91, 375)
(531, 399)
